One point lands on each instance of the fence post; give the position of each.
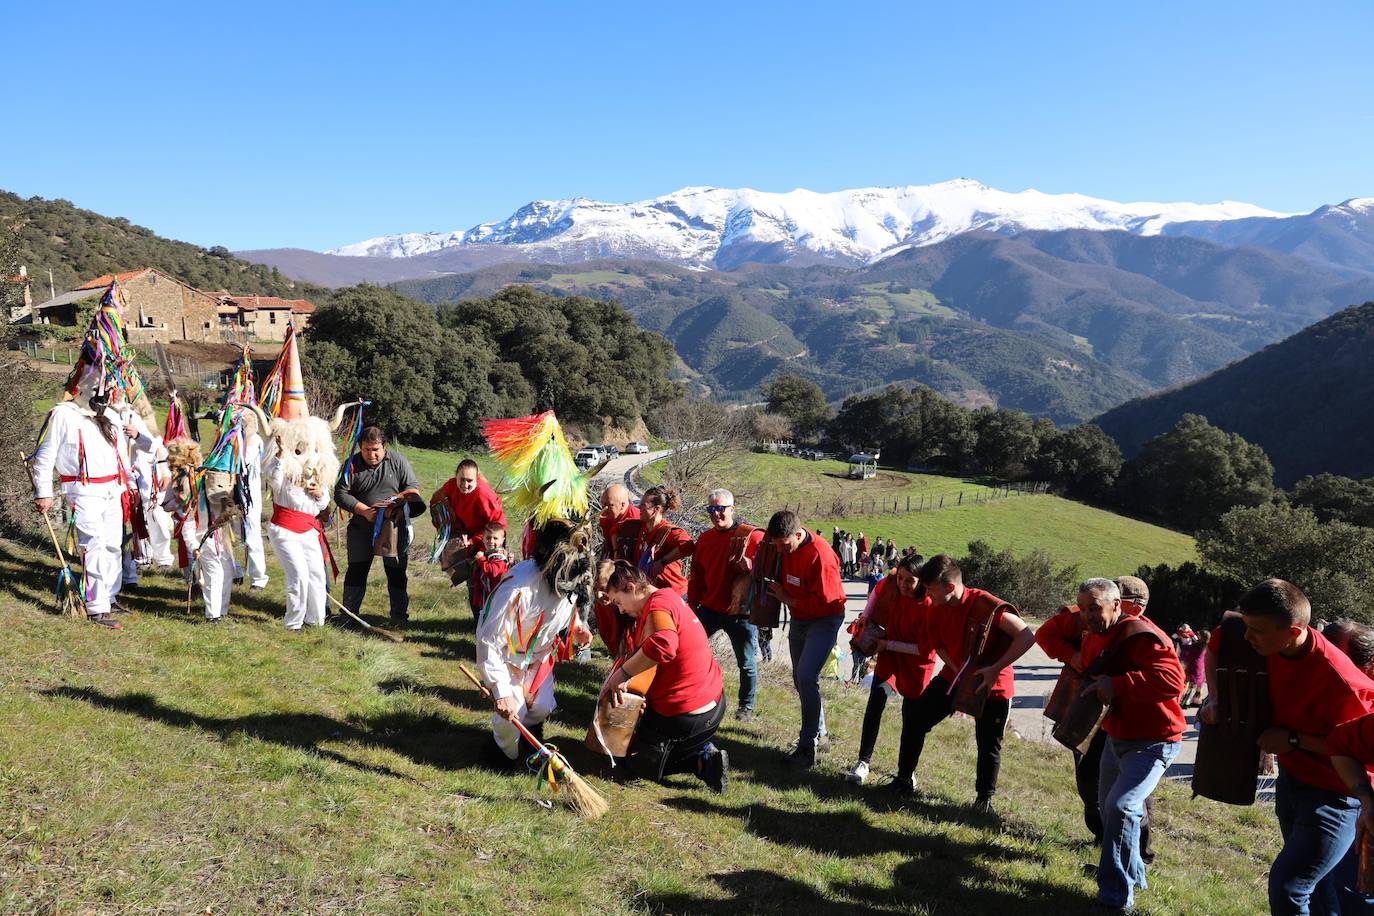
(942, 500)
(961, 497)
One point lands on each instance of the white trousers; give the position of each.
(532, 712)
(303, 567)
(216, 570)
(252, 539)
(99, 532)
(157, 549)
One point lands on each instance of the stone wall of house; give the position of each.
(163, 310)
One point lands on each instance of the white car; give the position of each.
(637, 448)
(587, 457)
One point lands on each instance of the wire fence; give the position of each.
(845, 507)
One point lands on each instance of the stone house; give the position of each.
(265, 317)
(159, 307)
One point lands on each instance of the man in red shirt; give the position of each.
(472, 504)
(1313, 687)
(952, 604)
(1061, 638)
(812, 589)
(721, 559)
(1136, 671)
(616, 510)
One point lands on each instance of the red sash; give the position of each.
(301, 522)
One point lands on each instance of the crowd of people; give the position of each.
(655, 594)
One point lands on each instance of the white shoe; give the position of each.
(859, 775)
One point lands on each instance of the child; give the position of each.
(488, 566)
(1190, 653)
(765, 644)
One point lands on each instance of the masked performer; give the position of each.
(533, 617)
(84, 444)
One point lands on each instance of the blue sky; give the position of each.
(313, 125)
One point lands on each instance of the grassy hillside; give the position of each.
(1100, 542)
(78, 245)
(1305, 401)
(178, 767)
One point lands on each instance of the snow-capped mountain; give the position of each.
(723, 228)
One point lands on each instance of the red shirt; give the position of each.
(471, 511)
(1148, 685)
(1353, 739)
(908, 620)
(487, 570)
(654, 544)
(1314, 694)
(811, 575)
(688, 677)
(947, 634)
(1062, 635)
(610, 524)
(712, 577)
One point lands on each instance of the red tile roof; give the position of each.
(274, 303)
(104, 279)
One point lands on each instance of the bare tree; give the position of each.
(704, 434)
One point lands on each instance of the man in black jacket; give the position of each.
(375, 479)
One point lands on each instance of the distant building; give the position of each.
(159, 307)
(265, 317)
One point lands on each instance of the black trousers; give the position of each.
(932, 707)
(664, 745)
(358, 539)
(1085, 767)
(873, 720)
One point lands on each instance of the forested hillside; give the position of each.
(1307, 401)
(78, 245)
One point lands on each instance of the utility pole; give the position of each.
(52, 290)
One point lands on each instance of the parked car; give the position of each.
(637, 448)
(610, 451)
(587, 457)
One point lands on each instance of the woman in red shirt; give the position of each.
(662, 545)
(685, 701)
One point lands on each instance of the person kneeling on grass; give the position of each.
(685, 701)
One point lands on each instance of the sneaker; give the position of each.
(117, 608)
(983, 804)
(900, 786)
(105, 620)
(213, 619)
(745, 714)
(715, 768)
(859, 775)
(800, 760)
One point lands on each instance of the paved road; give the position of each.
(617, 470)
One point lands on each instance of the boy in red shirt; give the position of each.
(723, 555)
(1313, 687)
(488, 566)
(1137, 672)
(812, 589)
(906, 659)
(952, 603)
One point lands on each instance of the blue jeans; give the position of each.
(809, 642)
(1129, 772)
(1316, 869)
(743, 636)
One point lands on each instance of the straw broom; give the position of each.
(385, 634)
(69, 601)
(582, 798)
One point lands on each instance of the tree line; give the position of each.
(1193, 477)
(433, 375)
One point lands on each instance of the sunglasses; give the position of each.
(717, 510)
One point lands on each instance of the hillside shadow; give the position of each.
(427, 740)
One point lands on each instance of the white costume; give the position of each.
(517, 633)
(149, 463)
(214, 567)
(252, 521)
(93, 492)
(300, 552)
(146, 443)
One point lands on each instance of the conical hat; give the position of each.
(106, 361)
(283, 390)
